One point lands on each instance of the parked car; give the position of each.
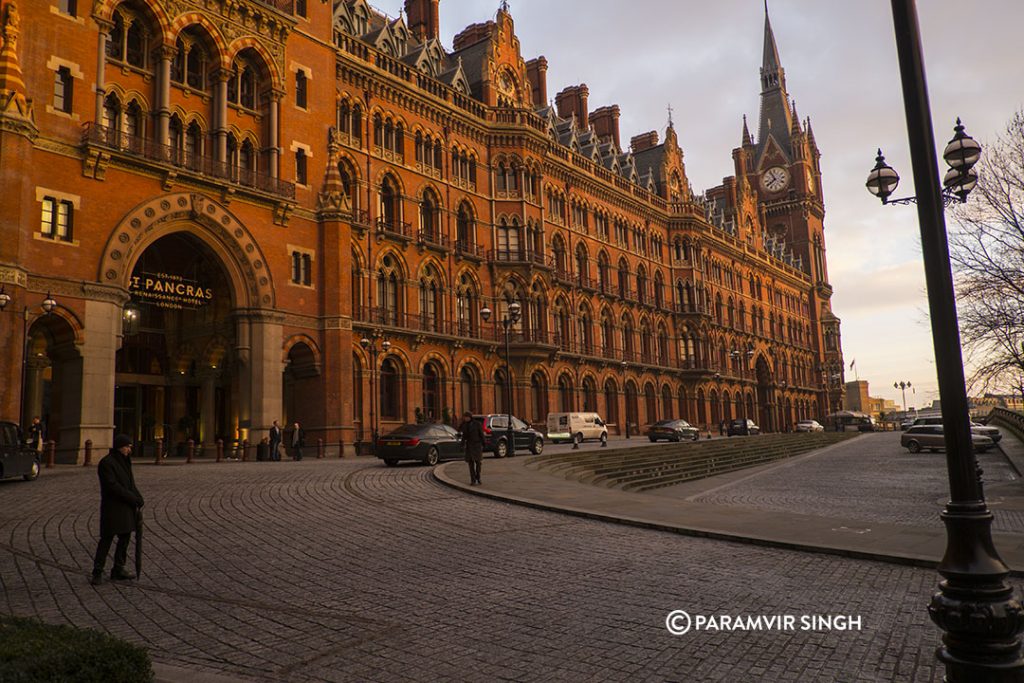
(737, 428)
(991, 432)
(673, 430)
(427, 443)
(17, 459)
(809, 426)
(576, 427)
(930, 436)
(906, 424)
(496, 435)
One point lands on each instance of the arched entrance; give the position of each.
(52, 389)
(176, 375)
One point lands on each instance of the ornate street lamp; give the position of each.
(369, 345)
(902, 386)
(130, 317)
(515, 310)
(975, 606)
(742, 358)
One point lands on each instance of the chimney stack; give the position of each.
(537, 74)
(573, 100)
(423, 19)
(605, 122)
(639, 143)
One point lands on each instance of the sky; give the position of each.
(704, 57)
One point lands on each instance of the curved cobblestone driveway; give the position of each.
(348, 571)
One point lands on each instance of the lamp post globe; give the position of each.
(514, 311)
(883, 178)
(5, 299)
(485, 313)
(385, 346)
(49, 303)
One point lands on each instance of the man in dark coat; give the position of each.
(298, 441)
(473, 443)
(275, 441)
(119, 503)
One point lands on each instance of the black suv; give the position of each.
(16, 458)
(496, 435)
(736, 428)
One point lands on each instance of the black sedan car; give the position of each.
(673, 430)
(738, 428)
(526, 438)
(16, 458)
(427, 443)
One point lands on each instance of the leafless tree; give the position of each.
(987, 251)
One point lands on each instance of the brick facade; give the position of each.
(331, 174)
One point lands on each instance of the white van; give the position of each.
(576, 427)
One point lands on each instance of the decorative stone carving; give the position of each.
(222, 228)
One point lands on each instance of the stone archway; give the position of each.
(255, 341)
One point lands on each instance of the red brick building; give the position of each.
(225, 198)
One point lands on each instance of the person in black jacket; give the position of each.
(473, 443)
(298, 441)
(119, 503)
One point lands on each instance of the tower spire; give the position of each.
(746, 133)
(776, 120)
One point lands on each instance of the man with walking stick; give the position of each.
(120, 511)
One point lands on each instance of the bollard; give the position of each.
(709, 434)
(245, 450)
(604, 441)
(159, 452)
(575, 444)
(191, 451)
(319, 449)
(220, 450)
(51, 452)
(341, 448)
(88, 453)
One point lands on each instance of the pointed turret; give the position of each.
(746, 141)
(795, 130)
(776, 120)
(16, 111)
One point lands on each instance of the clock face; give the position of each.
(775, 178)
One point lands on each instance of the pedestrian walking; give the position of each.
(36, 435)
(275, 441)
(120, 502)
(473, 444)
(298, 441)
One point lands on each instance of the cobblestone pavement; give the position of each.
(870, 478)
(349, 571)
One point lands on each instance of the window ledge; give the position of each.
(54, 240)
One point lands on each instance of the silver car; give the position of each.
(991, 432)
(809, 426)
(919, 437)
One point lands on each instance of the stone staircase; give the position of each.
(651, 467)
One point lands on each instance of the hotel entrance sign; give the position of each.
(169, 291)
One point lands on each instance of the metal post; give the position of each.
(88, 453)
(975, 607)
(507, 323)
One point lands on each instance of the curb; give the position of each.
(715, 534)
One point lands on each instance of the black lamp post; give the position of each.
(625, 396)
(975, 607)
(902, 386)
(48, 304)
(130, 317)
(742, 358)
(369, 345)
(515, 310)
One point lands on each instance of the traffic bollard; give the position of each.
(220, 450)
(51, 453)
(191, 451)
(88, 453)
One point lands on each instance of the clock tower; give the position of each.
(782, 169)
